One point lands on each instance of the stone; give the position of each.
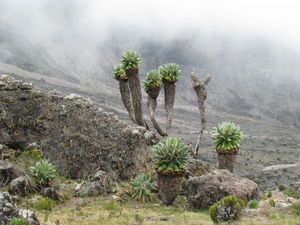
(201, 192)
(6, 171)
(100, 183)
(19, 186)
(51, 193)
(8, 211)
(73, 133)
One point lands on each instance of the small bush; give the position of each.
(281, 187)
(142, 187)
(292, 192)
(44, 172)
(253, 204)
(44, 204)
(296, 208)
(18, 221)
(228, 208)
(112, 206)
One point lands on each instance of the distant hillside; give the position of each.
(253, 78)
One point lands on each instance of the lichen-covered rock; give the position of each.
(8, 211)
(19, 186)
(203, 191)
(6, 171)
(73, 133)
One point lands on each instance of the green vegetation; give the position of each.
(170, 154)
(253, 204)
(227, 136)
(170, 72)
(142, 187)
(153, 79)
(44, 204)
(119, 72)
(281, 187)
(130, 59)
(44, 173)
(18, 221)
(296, 208)
(292, 192)
(228, 208)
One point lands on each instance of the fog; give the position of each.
(93, 20)
(81, 26)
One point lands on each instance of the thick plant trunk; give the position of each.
(169, 185)
(151, 104)
(200, 88)
(126, 98)
(227, 159)
(136, 94)
(169, 88)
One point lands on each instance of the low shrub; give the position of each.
(292, 192)
(296, 208)
(228, 208)
(142, 188)
(253, 204)
(281, 187)
(18, 221)
(44, 204)
(44, 173)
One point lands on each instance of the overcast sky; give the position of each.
(278, 19)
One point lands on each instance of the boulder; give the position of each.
(73, 133)
(100, 183)
(51, 193)
(6, 171)
(8, 211)
(201, 192)
(19, 186)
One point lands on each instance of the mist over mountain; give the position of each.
(252, 75)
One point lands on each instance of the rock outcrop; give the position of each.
(72, 132)
(8, 211)
(202, 192)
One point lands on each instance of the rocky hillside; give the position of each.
(254, 78)
(72, 132)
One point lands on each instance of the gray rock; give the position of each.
(73, 133)
(19, 186)
(8, 211)
(51, 193)
(203, 191)
(99, 184)
(6, 170)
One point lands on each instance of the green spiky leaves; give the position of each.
(153, 79)
(44, 172)
(170, 154)
(227, 136)
(130, 59)
(170, 72)
(119, 72)
(142, 186)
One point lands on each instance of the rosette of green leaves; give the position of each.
(170, 72)
(227, 136)
(119, 72)
(228, 208)
(142, 187)
(153, 79)
(170, 154)
(130, 59)
(44, 172)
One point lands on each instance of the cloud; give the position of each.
(94, 19)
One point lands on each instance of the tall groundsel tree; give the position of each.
(200, 88)
(152, 86)
(120, 75)
(170, 75)
(131, 61)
